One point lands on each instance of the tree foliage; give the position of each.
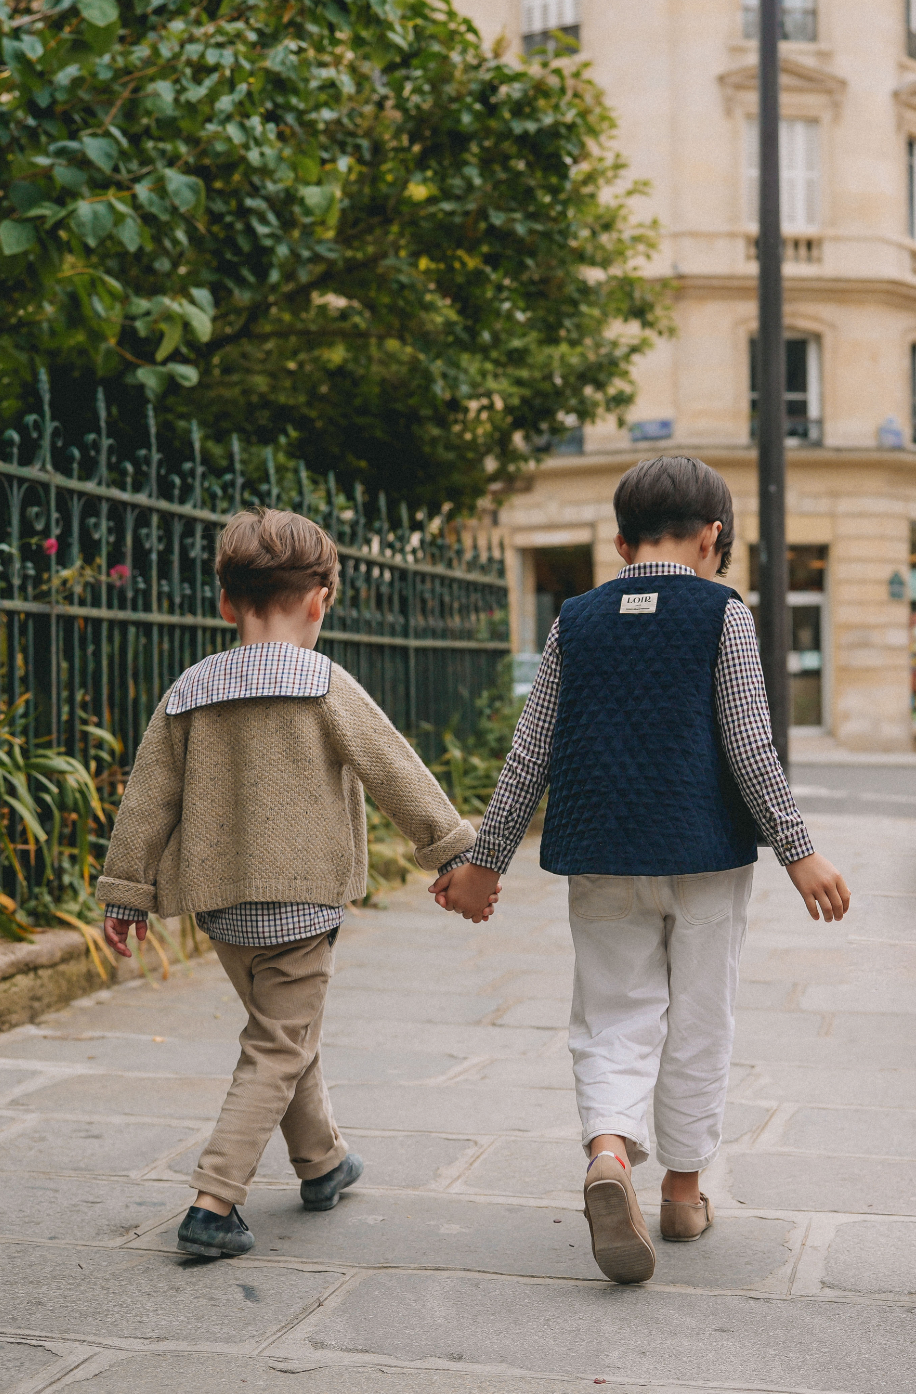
(341, 221)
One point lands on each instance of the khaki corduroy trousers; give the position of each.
(278, 1077)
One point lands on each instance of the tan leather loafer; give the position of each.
(682, 1222)
(620, 1241)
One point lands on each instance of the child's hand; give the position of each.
(116, 932)
(470, 890)
(820, 884)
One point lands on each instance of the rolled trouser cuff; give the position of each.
(636, 1139)
(311, 1171)
(229, 1191)
(681, 1163)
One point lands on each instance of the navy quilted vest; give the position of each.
(639, 782)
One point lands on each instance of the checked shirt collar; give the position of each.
(251, 670)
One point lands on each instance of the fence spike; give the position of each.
(236, 455)
(331, 524)
(383, 521)
(152, 487)
(305, 489)
(360, 515)
(198, 465)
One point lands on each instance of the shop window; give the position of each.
(799, 20)
(806, 600)
(910, 6)
(799, 173)
(804, 424)
(559, 574)
(543, 20)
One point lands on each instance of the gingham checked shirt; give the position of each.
(744, 721)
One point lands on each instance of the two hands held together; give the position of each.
(470, 890)
(473, 891)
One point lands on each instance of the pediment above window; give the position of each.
(797, 82)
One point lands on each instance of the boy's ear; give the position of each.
(317, 605)
(226, 610)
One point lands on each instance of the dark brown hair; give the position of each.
(674, 496)
(266, 559)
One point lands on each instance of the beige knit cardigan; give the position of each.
(261, 799)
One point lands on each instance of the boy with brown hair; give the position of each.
(648, 718)
(245, 807)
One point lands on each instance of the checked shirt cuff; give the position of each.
(124, 912)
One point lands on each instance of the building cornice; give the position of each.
(873, 290)
(796, 79)
(719, 456)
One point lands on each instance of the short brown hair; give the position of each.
(266, 558)
(674, 496)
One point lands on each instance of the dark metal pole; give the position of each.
(771, 457)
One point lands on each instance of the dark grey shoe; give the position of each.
(324, 1192)
(204, 1232)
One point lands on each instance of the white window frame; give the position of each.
(543, 16)
(800, 173)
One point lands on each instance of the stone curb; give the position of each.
(54, 969)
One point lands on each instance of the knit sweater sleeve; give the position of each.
(150, 812)
(393, 774)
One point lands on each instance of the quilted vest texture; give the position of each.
(639, 782)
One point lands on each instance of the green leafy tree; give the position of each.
(343, 223)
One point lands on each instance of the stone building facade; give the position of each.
(681, 76)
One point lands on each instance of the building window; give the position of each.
(911, 27)
(542, 20)
(799, 173)
(799, 20)
(805, 660)
(804, 423)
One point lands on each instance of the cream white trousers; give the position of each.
(653, 1007)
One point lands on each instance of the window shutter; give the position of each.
(799, 174)
(542, 16)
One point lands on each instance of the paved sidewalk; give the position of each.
(461, 1264)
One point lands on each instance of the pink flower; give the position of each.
(119, 574)
(50, 545)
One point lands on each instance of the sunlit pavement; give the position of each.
(461, 1263)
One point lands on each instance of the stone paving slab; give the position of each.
(462, 1108)
(846, 1088)
(781, 1181)
(408, 1160)
(100, 1094)
(449, 1008)
(79, 1210)
(114, 1146)
(85, 1293)
(19, 1362)
(446, 1232)
(645, 1335)
(137, 1054)
(873, 1256)
(867, 1132)
(214, 1374)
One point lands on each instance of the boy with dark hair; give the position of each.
(245, 806)
(648, 719)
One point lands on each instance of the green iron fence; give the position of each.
(107, 589)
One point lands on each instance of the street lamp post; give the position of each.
(771, 455)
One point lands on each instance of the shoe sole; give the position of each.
(205, 1250)
(619, 1249)
(321, 1205)
(685, 1238)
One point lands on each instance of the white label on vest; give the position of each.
(639, 603)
